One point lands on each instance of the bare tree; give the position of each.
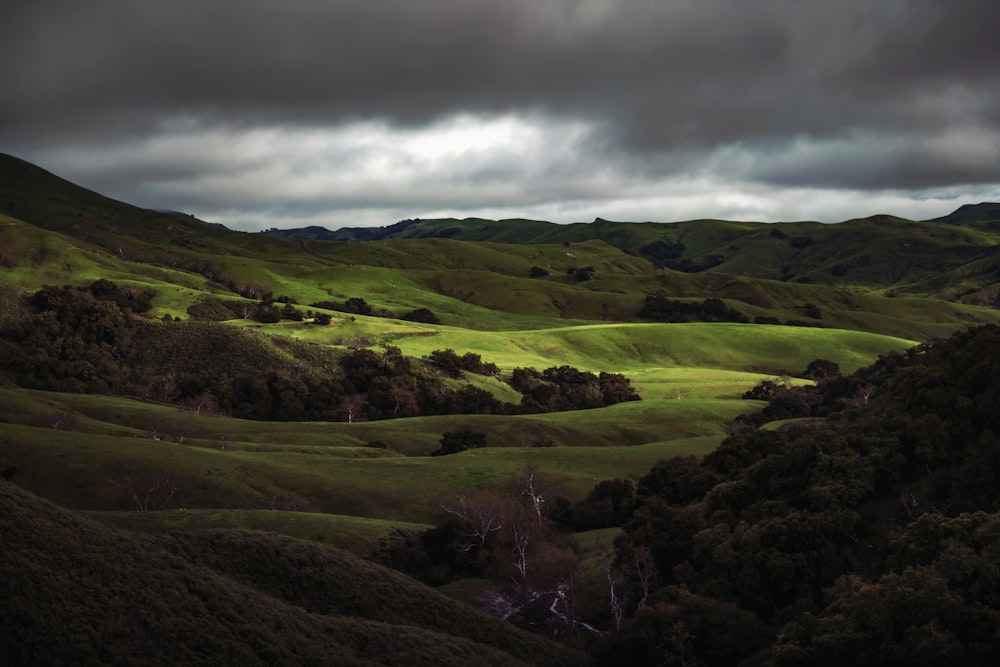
(480, 518)
(149, 493)
(677, 647)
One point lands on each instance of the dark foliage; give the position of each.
(213, 309)
(91, 340)
(453, 442)
(581, 274)
(870, 537)
(662, 252)
(659, 308)
(811, 310)
(538, 272)
(610, 503)
(822, 369)
(354, 305)
(452, 364)
(568, 388)
(688, 265)
(424, 315)
(358, 306)
(267, 313)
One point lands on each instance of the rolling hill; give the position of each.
(161, 377)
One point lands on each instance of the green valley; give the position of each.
(243, 432)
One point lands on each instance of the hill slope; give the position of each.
(78, 592)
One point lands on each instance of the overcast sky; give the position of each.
(363, 112)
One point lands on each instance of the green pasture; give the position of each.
(99, 471)
(626, 347)
(624, 424)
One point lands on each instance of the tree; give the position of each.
(424, 315)
(358, 306)
(289, 312)
(453, 442)
(538, 272)
(821, 369)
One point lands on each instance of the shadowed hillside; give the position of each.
(75, 591)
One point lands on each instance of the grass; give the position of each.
(322, 468)
(359, 535)
(627, 347)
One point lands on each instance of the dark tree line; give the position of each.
(868, 536)
(358, 306)
(659, 308)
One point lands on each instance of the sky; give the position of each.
(339, 113)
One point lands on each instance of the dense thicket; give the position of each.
(869, 537)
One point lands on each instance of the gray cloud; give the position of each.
(852, 95)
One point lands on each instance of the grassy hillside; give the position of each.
(76, 591)
(96, 453)
(881, 251)
(481, 275)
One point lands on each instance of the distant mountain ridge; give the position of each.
(461, 228)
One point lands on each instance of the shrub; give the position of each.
(538, 272)
(424, 315)
(453, 442)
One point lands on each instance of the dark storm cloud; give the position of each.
(787, 86)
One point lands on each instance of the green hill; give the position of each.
(75, 591)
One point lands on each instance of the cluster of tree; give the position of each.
(73, 337)
(539, 272)
(90, 340)
(518, 537)
(354, 305)
(659, 308)
(581, 274)
(567, 388)
(451, 364)
(669, 255)
(868, 537)
(662, 253)
(270, 309)
(358, 306)
(453, 442)
(266, 310)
